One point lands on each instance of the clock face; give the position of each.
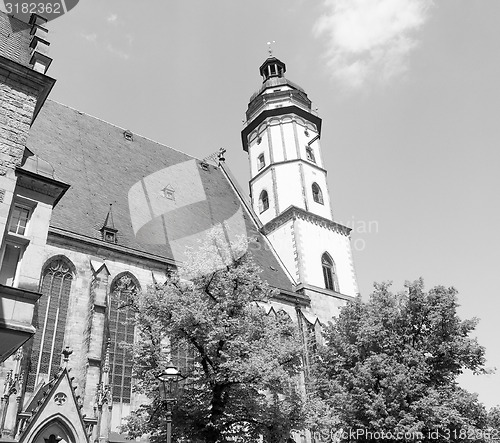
(110, 237)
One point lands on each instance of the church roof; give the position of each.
(104, 166)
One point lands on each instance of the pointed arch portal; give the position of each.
(55, 431)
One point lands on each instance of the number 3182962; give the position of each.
(33, 8)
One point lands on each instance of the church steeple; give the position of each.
(281, 136)
(288, 186)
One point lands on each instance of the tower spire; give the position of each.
(269, 47)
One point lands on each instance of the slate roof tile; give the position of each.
(102, 167)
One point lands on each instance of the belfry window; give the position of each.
(263, 202)
(261, 161)
(329, 275)
(310, 154)
(317, 194)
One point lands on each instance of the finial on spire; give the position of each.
(269, 47)
(107, 365)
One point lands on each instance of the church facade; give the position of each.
(90, 212)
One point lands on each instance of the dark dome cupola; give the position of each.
(272, 67)
(277, 97)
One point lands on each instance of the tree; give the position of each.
(391, 364)
(243, 379)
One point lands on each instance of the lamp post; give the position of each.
(167, 385)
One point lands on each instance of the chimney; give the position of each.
(39, 45)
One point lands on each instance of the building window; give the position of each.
(11, 257)
(317, 194)
(263, 202)
(121, 330)
(329, 274)
(261, 161)
(310, 154)
(19, 220)
(50, 321)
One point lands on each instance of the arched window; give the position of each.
(263, 202)
(329, 275)
(317, 194)
(50, 321)
(121, 330)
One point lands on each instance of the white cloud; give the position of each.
(118, 52)
(113, 19)
(92, 38)
(370, 40)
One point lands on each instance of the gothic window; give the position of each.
(310, 154)
(183, 356)
(263, 202)
(50, 320)
(329, 275)
(261, 161)
(317, 194)
(121, 330)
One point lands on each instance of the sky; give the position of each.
(407, 90)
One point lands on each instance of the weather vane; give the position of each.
(269, 47)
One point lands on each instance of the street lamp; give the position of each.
(167, 385)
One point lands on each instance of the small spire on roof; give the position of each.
(109, 222)
(108, 230)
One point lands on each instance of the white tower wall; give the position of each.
(282, 137)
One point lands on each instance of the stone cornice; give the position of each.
(306, 289)
(283, 162)
(293, 213)
(293, 109)
(62, 238)
(40, 82)
(41, 184)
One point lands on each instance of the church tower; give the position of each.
(289, 191)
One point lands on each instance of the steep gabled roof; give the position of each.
(159, 195)
(54, 406)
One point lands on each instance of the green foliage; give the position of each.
(243, 381)
(391, 364)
